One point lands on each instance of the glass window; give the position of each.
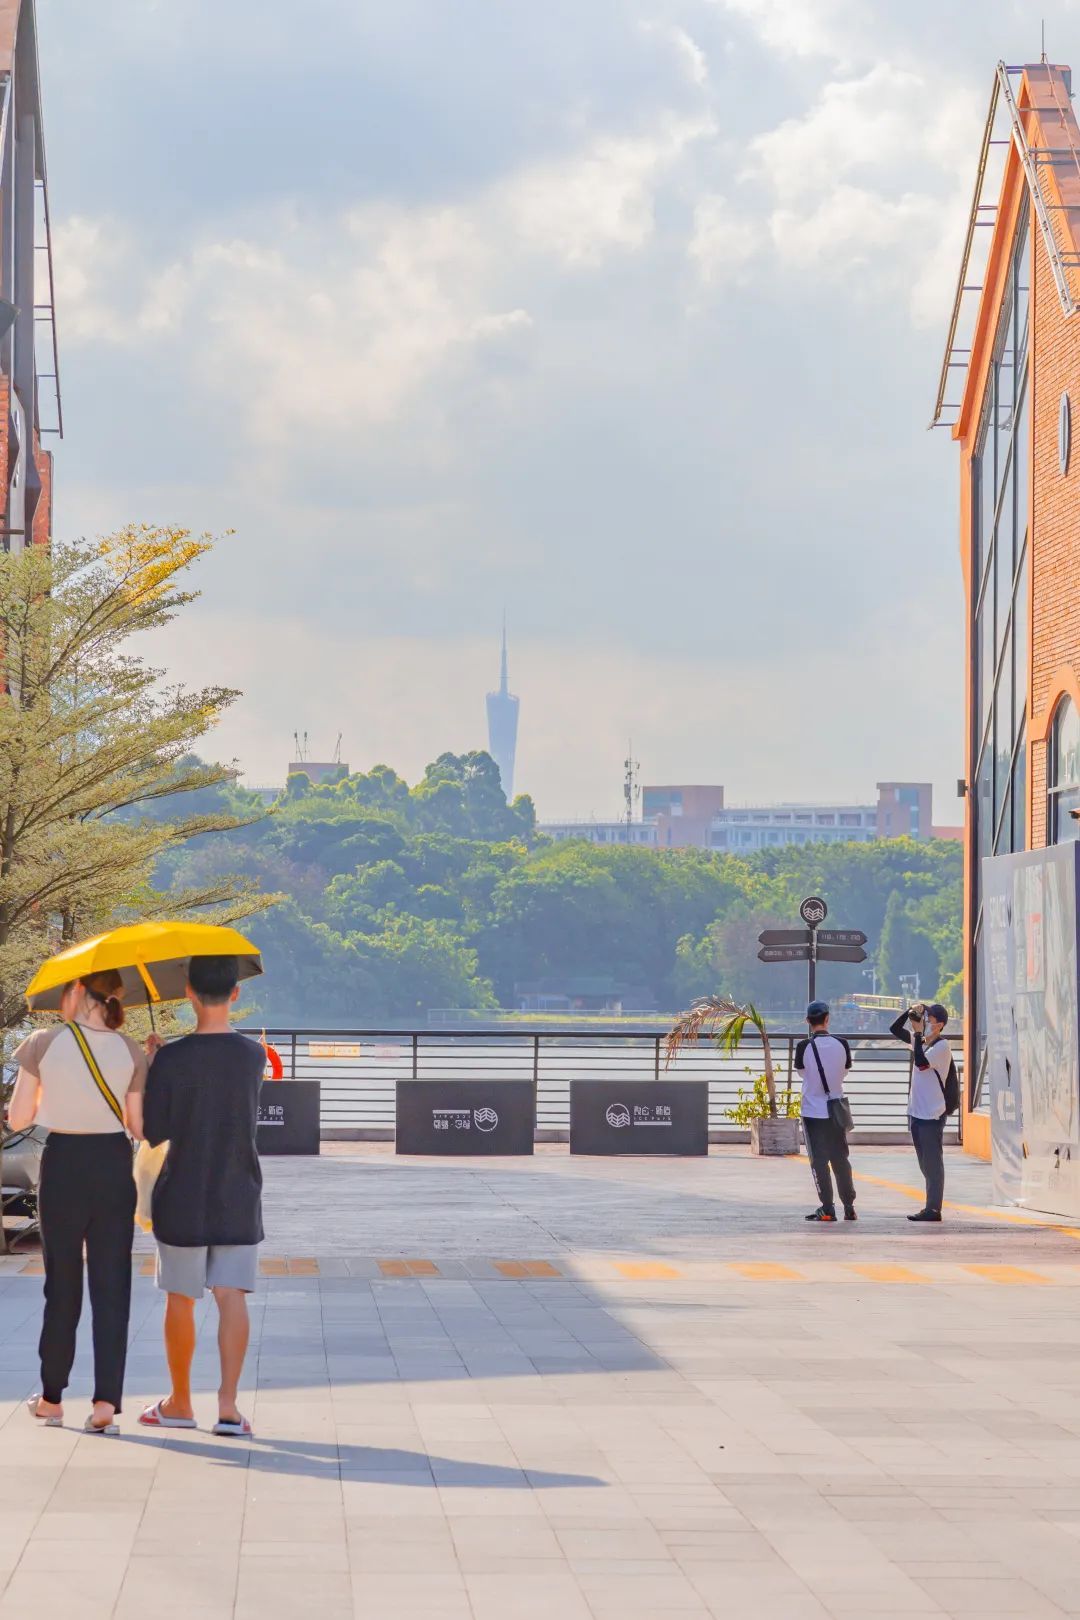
(1003, 575)
(1063, 775)
(1019, 794)
(1003, 734)
(1020, 644)
(1021, 483)
(1022, 271)
(984, 650)
(984, 801)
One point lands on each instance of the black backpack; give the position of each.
(950, 1086)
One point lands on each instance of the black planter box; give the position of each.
(465, 1117)
(288, 1117)
(639, 1117)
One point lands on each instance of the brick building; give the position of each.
(1010, 386)
(29, 384)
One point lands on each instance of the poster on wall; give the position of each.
(1033, 1031)
(1002, 1079)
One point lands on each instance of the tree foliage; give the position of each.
(405, 898)
(96, 754)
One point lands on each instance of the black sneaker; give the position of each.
(849, 1213)
(823, 1215)
(926, 1215)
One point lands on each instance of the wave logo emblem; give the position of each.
(617, 1115)
(486, 1119)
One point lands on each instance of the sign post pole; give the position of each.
(813, 912)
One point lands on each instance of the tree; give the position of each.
(905, 951)
(88, 738)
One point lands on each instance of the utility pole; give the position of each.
(631, 791)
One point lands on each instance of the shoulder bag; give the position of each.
(148, 1160)
(839, 1107)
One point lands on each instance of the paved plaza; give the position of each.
(556, 1389)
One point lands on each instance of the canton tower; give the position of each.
(502, 718)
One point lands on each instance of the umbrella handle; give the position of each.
(150, 1010)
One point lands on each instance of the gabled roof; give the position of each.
(1031, 115)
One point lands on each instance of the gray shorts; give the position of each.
(193, 1271)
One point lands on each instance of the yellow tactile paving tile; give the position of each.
(540, 1268)
(394, 1268)
(302, 1266)
(646, 1270)
(767, 1271)
(1018, 1275)
(272, 1267)
(510, 1268)
(890, 1273)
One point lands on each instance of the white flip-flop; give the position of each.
(155, 1418)
(236, 1431)
(90, 1427)
(51, 1420)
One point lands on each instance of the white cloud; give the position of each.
(602, 199)
(722, 242)
(691, 57)
(802, 27)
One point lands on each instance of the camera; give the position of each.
(917, 1013)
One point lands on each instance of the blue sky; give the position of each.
(624, 315)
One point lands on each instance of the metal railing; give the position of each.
(359, 1069)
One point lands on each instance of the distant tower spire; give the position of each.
(502, 719)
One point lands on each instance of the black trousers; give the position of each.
(827, 1145)
(928, 1136)
(86, 1199)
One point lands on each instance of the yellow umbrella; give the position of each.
(151, 958)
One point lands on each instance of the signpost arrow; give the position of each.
(840, 953)
(784, 953)
(840, 936)
(785, 936)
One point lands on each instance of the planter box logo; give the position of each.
(619, 1116)
(463, 1119)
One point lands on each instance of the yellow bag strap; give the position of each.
(99, 1079)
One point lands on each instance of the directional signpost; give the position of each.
(812, 944)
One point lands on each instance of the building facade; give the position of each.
(641, 833)
(1013, 382)
(29, 380)
(682, 814)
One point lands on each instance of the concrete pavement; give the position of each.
(585, 1387)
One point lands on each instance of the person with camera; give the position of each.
(933, 1087)
(821, 1062)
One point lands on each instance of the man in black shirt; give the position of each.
(202, 1097)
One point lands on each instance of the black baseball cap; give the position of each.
(937, 1012)
(816, 1011)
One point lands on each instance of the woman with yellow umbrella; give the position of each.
(83, 1080)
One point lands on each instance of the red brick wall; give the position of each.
(1055, 554)
(42, 527)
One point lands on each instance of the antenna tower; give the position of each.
(301, 747)
(631, 790)
(337, 750)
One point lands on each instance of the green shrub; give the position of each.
(755, 1104)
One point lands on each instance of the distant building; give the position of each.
(502, 719)
(903, 810)
(682, 815)
(592, 995)
(319, 771)
(602, 832)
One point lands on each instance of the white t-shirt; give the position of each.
(926, 1100)
(835, 1055)
(51, 1064)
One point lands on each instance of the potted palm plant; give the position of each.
(726, 1021)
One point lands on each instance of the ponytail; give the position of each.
(102, 987)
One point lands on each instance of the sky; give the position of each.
(623, 317)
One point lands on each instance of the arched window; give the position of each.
(1063, 774)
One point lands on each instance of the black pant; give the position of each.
(826, 1143)
(928, 1136)
(86, 1197)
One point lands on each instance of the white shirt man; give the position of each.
(923, 1029)
(821, 1061)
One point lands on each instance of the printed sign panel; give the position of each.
(334, 1049)
(1030, 1023)
(639, 1116)
(288, 1117)
(465, 1116)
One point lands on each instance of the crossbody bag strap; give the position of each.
(937, 1077)
(99, 1079)
(820, 1065)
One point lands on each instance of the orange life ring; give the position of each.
(275, 1070)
